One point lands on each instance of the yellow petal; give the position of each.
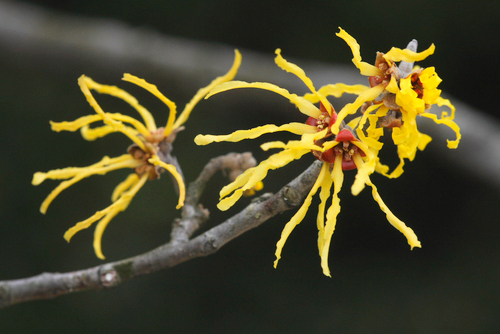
(430, 80)
(94, 133)
(351, 108)
(302, 104)
(86, 120)
(324, 194)
(68, 172)
(120, 205)
(392, 87)
(204, 91)
(74, 125)
(295, 128)
(396, 54)
(81, 174)
(380, 168)
(332, 213)
(84, 82)
(353, 123)
(292, 144)
(397, 171)
(449, 123)
(155, 160)
(154, 90)
(398, 224)
(407, 98)
(99, 230)
(336, 90)
(364, 68)
(365, 169)
(445, 102)
(249, 178)
(296, 219)
(124, 186)
(370, 140)
(132, 101)
(294, 69)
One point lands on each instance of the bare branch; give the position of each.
(180, 249)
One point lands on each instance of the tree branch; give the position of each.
(178, 250)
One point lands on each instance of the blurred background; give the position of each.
(449, 198)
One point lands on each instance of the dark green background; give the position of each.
(378, 284)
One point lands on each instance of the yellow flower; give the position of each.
(148, 156)
(338, 152)
(401, 93)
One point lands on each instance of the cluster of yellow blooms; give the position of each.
(147, 156)
(396, 96)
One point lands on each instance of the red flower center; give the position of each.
(345, 138)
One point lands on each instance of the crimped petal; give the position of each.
(364, 68)
(120, 205)
(154, 90)
(445, 102)
(449, 123)
(250, 192)
(294, 69)
(296, 219)
(370, 140)
(295, 128)
(365, 169)
(398, 224)
(204, 91)
(249, 178)
(337, 177)
(380, 168)
(351, 108)
(324, 194)
(304, 106)
(155, 160)
(396, 54)
(132, 101)
(124, 186)
(397, 171)
(81, 174)
(407, 99)
(430, 80)
(336, 90)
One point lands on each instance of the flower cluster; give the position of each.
(148, 156)
(396, 96)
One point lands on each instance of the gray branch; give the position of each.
(178, 250)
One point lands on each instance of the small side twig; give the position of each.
(194, 214)
(50, 285)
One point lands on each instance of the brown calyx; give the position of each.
(155, 143)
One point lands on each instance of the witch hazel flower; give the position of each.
(147, 157)
(397, 95)
(338, 150)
